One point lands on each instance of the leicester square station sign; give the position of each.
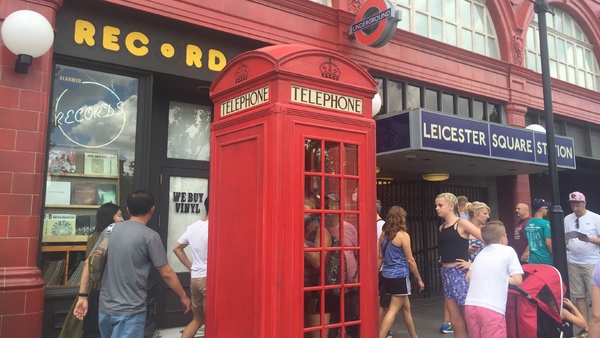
(376, 23)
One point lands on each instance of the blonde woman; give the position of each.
(395, 261)
(479, 214)
(453, 246)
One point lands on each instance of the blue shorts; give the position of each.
(131, 326)
(455, 283)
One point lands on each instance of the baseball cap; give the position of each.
(576, 196)
(538, 203)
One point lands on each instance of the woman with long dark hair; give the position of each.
(107, 214)
(395, 262)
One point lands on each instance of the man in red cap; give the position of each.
(583, 251)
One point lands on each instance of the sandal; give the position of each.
(389, 335)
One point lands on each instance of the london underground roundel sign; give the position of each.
(376, 23)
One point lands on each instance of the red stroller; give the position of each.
(533, 309)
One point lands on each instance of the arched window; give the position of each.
(569, 51)
(462, 23)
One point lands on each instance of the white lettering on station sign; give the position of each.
(323, 99)
(245, 101)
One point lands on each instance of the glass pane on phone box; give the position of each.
(312, 157)
(351, 160)
(312, 230)
(312, 270)
(312, 306)
(352, 220)
(312, 189)
(332, 157)
(350, 194)
(351, 257)
(332, 188)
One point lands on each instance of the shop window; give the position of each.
(331, 249)
(478, 112)
(448, 103)
(395, 93)
(595, 143)
(413, 97)
(185, 207)
(431, 99)
(90, 161)
(189, 131)
(571, 54)
(399, 96)
(463, 107)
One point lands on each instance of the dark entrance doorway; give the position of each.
(418, 199)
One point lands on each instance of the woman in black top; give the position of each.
(453, 244)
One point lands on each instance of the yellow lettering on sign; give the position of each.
(130, 43)
(111, 36)
(216, 60)
(167, 50)
(84, 32)
(193, 56)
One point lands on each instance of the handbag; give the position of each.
(97, 259)
(90, 321)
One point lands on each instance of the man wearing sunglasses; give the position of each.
(583, 252)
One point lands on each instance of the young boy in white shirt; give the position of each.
(496, 266)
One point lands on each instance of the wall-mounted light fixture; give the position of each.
(28, 35)
(536, 127)
(376, 104)
(436, 177)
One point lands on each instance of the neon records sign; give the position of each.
(376, 23)
(88, 113)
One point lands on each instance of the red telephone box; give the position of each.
(292, 248)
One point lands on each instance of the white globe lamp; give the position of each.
(28, 35)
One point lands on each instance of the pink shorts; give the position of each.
(484, 323)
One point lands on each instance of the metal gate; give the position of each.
(418, 199)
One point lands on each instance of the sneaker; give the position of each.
(446, 328)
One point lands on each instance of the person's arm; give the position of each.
(379, 252)
(549, 244)
(515, 279)
(595, 315)
(525, 255)
(572, 315)
(171, 279)
(469, 228)
(82, 302)
(183, 258)
(412, 264)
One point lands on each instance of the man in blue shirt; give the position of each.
(537, 232)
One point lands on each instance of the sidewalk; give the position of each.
(427, 316)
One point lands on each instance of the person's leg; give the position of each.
(197, 307)
(473, 321)
(129, 326)
(388, 319)
(407, 317)
(456, 318)
(577, 288)
(105, 325)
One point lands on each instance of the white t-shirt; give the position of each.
(196, 236)
(579, 252)
(490, 272)
(380, 224)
